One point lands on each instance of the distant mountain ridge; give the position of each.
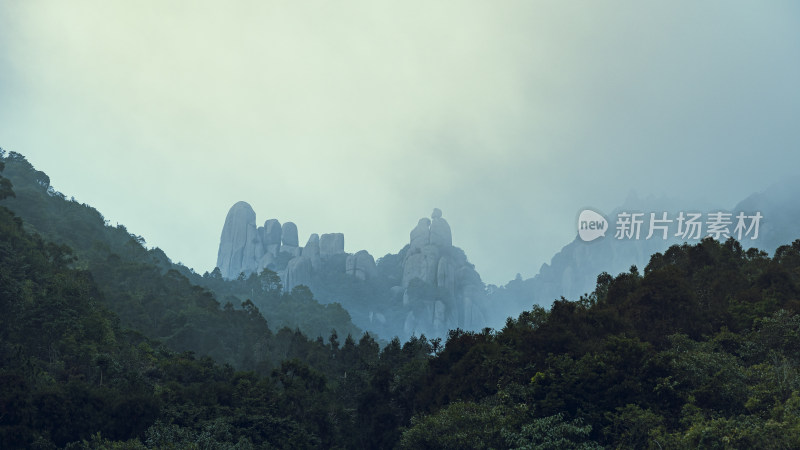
(699, 350)
(245, 249)
(428, 287)
(572, 271)
(158, 298)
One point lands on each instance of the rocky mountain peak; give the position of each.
(433, 261)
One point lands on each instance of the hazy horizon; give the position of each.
(361, 118)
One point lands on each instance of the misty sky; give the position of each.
(361, 117)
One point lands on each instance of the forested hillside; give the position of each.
(700, 349)
(70, 373)
(156, 297)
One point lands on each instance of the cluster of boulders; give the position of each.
(436, 289)
(431, 261)
(245, 248)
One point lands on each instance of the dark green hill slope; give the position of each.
(701, 349)
(71, 376)
(157, 298)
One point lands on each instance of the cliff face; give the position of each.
(441, 289)
(246, 248)
(240, 243)
(429, 287)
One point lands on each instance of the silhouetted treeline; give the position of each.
(700, 349)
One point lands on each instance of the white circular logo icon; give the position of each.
(591, 225)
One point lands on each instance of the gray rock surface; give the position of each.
(267, 261)
(331, 244)
(289, 235)
(440, 233)
(271, 236)
(406, 299)
(245, 248)
(397, 291)
(433, 289)
(239, 241)
(457, 298)
(446, 275)
(361, 265)
(440, 321)
(311, 250)
(298, 272)
(422, 263)
(421, 234)
(377, 318)
(472, 313)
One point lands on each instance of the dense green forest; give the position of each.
(701, 349)
(163, 300)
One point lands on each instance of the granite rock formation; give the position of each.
(429, 287)
(440, 287)
(361, 265)
(311, 250)
(331, 244)
(239, 242)
(298, 272)
(245, 248)
(271, 236)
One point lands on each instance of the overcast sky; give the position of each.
(361, 117)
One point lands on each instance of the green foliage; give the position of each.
(6, 189)
(104, 344)
(460, 425)
(67, 368)
(552, 433)
(162, 300)
(496, 423)
(700, 351)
